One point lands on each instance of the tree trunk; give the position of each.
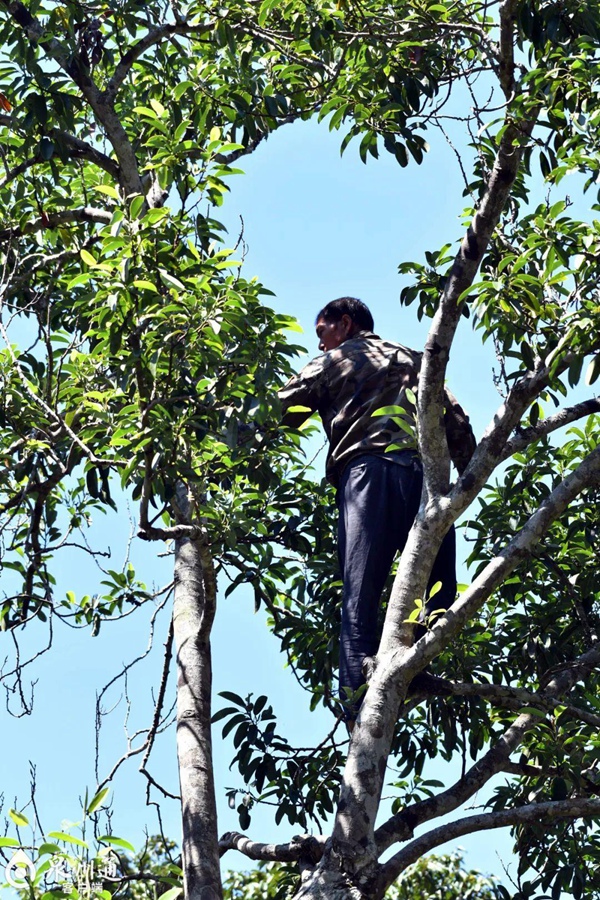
(325, 883)
(192, 617)
(352, 876)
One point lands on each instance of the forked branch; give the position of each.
(532, 814)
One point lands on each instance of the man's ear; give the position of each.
(348, 324)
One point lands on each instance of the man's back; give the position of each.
(348, 384)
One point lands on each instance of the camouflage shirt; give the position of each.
(348, 384)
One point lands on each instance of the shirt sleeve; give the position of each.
(303, 389)
(461, 440)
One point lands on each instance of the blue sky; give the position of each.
(317, 227)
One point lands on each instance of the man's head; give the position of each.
(342, 319)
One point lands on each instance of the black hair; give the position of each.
(348, 306)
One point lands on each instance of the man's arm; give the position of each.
(300, 397)
(461, 440)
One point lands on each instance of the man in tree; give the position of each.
(374, 463)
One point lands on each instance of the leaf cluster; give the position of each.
(299, 783)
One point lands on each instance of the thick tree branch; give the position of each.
(491, 447)
(402, 825)
(153, 37)
(13, 173)
(210, 590)
(55, 219)
(35, 488)
(532, 814)
(432, 439)
(440, 508)
(509, 696)
(187, 29)
(586, 475)
(306, 845)
(77, 149)
(507, 50)
(564, 417)
(81, 150)
(433, 521)
(149, 533)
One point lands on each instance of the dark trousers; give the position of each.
(378, 500)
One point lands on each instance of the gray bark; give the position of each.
(193, 614)
(327, 882)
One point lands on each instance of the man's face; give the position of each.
(332, 334)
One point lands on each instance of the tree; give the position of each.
(149, 364)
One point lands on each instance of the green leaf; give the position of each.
(390, 411)
(181, 88)
(157, 107)
(18, 817)
(532, 711)
(91, 478)
(46, 148)
(9, 842)
(170, 280)
(152, 216)
(411, 87)
(265, 8)
(135, 206)
(83, 278)
(117, 842)
(401, 154)
(226, 711)
(67, 838)
(259, 704)
(107, 189)
(145, 111)
(87, 257)
(172, 893)
(97, 800)
(404, 426)
(48, 849)
(593, 370)
(527, 355)
(233, 698)
(145, 285)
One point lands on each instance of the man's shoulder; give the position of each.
(367, 341)
(365, 344)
